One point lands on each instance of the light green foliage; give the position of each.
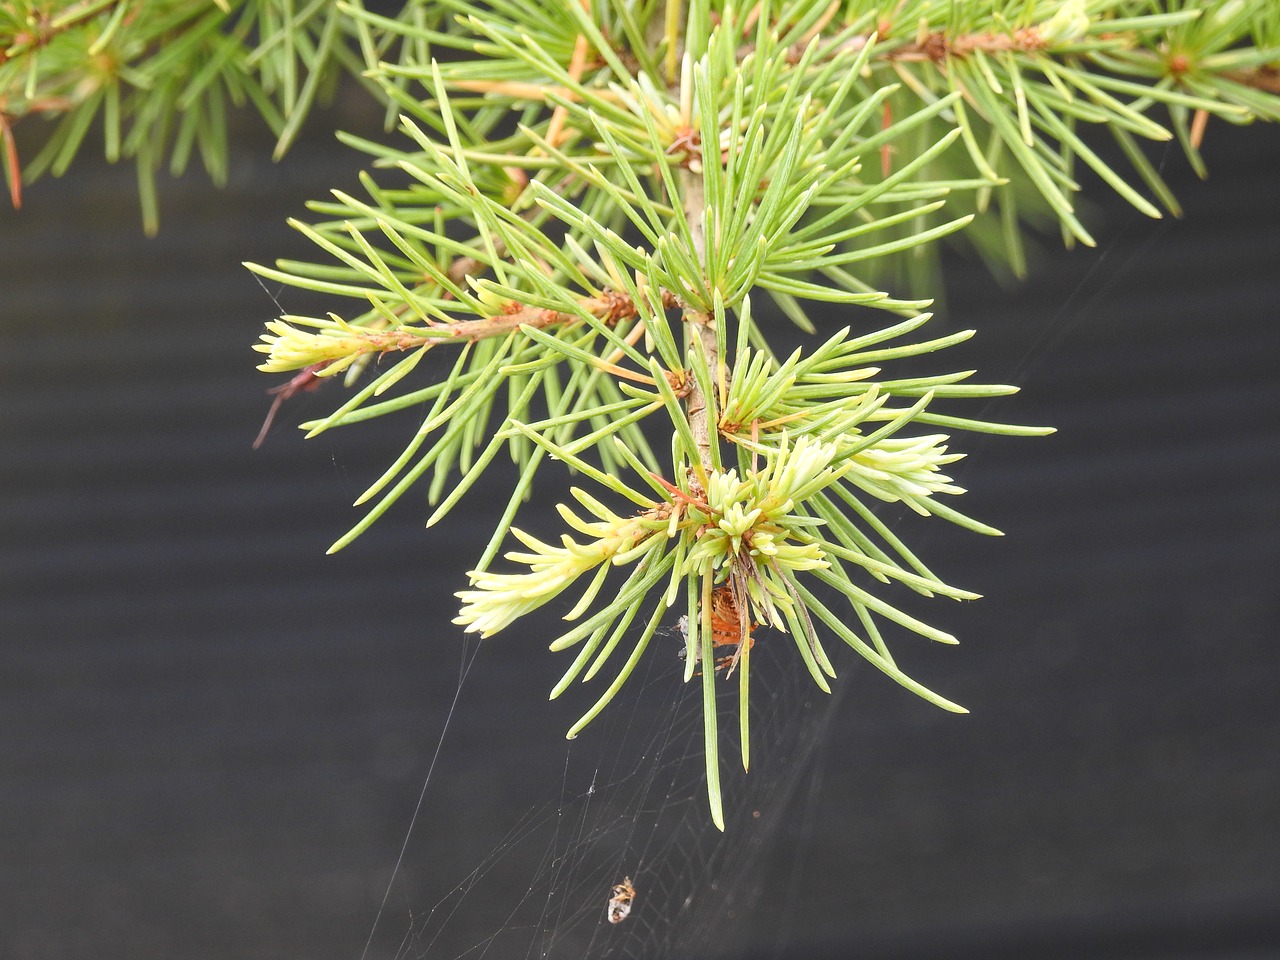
(582, 200)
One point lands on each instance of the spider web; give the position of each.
(631, 804)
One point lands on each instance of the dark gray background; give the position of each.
(212, 736)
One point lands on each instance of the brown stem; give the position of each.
(1261, 78)
(13, 169)
(609, 307)
(700, 327)
(937, 46)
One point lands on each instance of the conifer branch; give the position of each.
(691, 166)
(570, 172)
(337, 344)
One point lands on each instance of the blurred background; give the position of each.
(213, 736)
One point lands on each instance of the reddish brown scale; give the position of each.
(727, 625)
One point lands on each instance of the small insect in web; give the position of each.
(623, 895)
